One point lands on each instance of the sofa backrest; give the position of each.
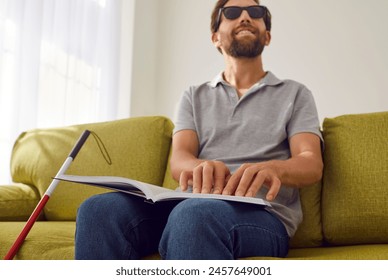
(355, 182)
(309, 233)
(138, 148)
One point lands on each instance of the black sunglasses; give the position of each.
(233, 12)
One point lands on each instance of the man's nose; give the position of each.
(245, 16)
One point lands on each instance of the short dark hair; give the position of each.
(221, 3)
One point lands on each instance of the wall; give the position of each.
(127, 18)
(172, 50)
(336, 48)
(145, 58)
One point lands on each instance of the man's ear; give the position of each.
(267, 37)
(216, 40)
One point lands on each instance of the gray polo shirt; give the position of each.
(254, 128)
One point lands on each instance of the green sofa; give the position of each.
(345, 215)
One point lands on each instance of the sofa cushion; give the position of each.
(138, 148)
(46, 240)
(309, 233)
(17, 202)
(355, 182)
(354, 252)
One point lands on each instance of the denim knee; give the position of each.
(192, 215)
(215, 229)
(115, 226)
(194, 231)
(88, 211)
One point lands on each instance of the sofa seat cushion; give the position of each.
(355, 182)
(55, 241)
(46, 240)
(357, 252)
(137, 147)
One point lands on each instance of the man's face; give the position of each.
(243, 37)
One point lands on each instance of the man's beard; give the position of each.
(245, 48)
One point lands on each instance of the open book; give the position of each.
(150, 192)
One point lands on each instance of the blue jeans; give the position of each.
(121, 226)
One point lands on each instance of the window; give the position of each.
(60, 64)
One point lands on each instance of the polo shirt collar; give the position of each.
(269, 79)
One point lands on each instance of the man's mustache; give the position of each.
(245, 26)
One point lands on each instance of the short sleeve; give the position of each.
(304, 116)
(184, 118)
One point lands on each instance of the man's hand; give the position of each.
(302, 169)
(249, 178)
(206, 177)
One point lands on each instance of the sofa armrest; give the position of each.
(17, 202)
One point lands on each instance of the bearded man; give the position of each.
(245, 133)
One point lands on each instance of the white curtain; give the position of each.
(59, 65)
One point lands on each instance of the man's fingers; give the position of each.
(219, 180)
(232, 184)
(247, 180)
(267, 178)
(207, 178)
(184, 180)
(274, 189)
(256, 184)
(238, 182)
(197, 179)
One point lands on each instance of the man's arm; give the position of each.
(303, 168)
(186, 168)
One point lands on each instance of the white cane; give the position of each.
(38, 209)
